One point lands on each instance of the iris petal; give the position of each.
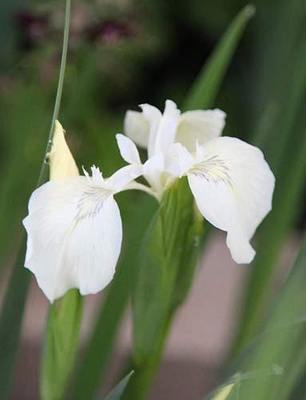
(233, 187)
(74, 236)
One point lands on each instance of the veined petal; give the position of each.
(128, 149)
(233, 187)
(199, 126)
(137, 128)
(74, 236)
(61, 161)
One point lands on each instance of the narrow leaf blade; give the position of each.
(206, 86)
(117, 392)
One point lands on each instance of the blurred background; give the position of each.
(123, 53)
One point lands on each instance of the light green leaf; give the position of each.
(60, 346)
(276, 358)
(274, 364)
(117, 392)
(167, 258)
(224, 392)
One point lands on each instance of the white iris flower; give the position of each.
(230, 179)
(74, 226)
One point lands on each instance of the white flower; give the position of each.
(74, 225)
(230, 179)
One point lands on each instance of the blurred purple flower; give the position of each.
(32, 27)
(110, 31)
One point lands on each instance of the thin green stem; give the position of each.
(59, 91)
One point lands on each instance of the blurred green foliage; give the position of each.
(273, 365)
(123, 53)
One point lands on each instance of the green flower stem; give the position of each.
(60, 345)
(170, 248)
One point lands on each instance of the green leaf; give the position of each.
(277, 357)
(60, 346)
(284, 141)
(167, 259)
(117, 392)
(274, 364)
(206, 86)
(287, 198)
(167, 242)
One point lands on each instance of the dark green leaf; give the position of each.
(10, 323)
(206, 86)
(284, 141)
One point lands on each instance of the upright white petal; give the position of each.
(127, 149)
(61, 161)
(162, 126)
(233, 187)
(74, 229)
(167, 128)
(153, 117)
(137, 128)
(199, 126)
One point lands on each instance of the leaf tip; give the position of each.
(250, 10)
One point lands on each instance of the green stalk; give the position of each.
(170, 248)
(62, 336)
(59, 91)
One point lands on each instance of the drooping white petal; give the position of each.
(233, 187)
(137, 128)
(61, 161)
(74, 235)
(127, 149)
(199, 126)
